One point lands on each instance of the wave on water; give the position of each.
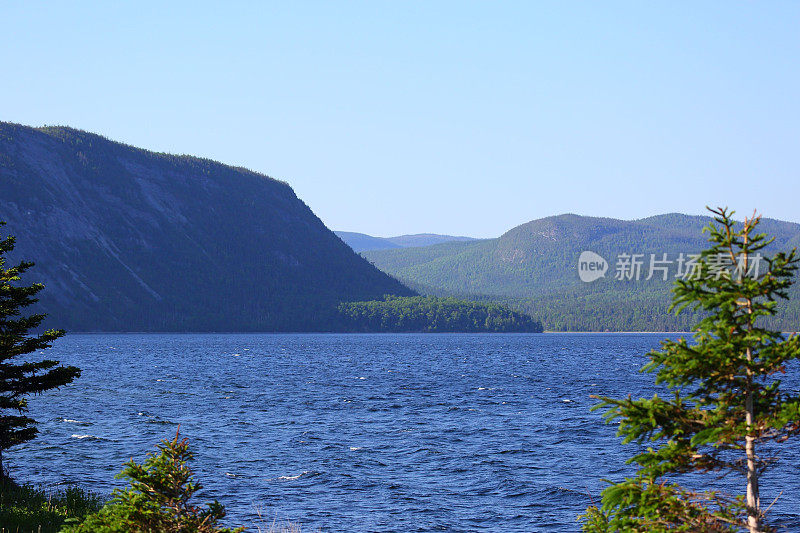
(156, 420)
(438, 449)
(153, 419)
(76, 422)
(292, 478)
(90, 437)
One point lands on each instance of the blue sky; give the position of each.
(450, 117)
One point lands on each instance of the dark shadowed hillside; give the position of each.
(130, 240)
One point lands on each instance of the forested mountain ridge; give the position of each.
(427, 239)
(361, 242)
(130, 240)
(534, 268)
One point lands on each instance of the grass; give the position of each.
(264, 525)
(27, 509)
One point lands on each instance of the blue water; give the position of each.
(360, 432)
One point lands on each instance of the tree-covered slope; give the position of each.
(534, 268)
(130, 240)
(429, 314)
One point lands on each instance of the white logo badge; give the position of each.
(591, 266)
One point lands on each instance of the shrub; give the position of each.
(158, 498)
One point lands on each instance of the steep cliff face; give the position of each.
(130, 240)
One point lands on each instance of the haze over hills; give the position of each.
(129, 240)
(427, 239)
(361, 242)
(534, 268)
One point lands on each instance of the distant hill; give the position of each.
(426, 239)
(361, 242)
(130, 240)
(534, 268)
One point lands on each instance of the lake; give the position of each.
(407, 432)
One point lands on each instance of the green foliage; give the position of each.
(646, 506)
(158, 498)
(726, 396)
(533, 269)
(594, 519)
(434, 315)
(25, 509)
(19, 380)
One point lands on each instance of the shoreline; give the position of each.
(366, 332)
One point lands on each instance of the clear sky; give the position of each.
(466, 118)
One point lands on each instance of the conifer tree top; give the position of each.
(726, 396)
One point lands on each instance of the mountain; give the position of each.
(534, 268)
(129, 240)
(361, 242)
(426, 239)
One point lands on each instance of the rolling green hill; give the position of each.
(129, 240)
(534, 268)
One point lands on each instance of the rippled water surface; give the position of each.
(359, 432)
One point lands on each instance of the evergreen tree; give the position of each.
(727, 411)
(18, 380)
(430, 314)
(158, 498)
